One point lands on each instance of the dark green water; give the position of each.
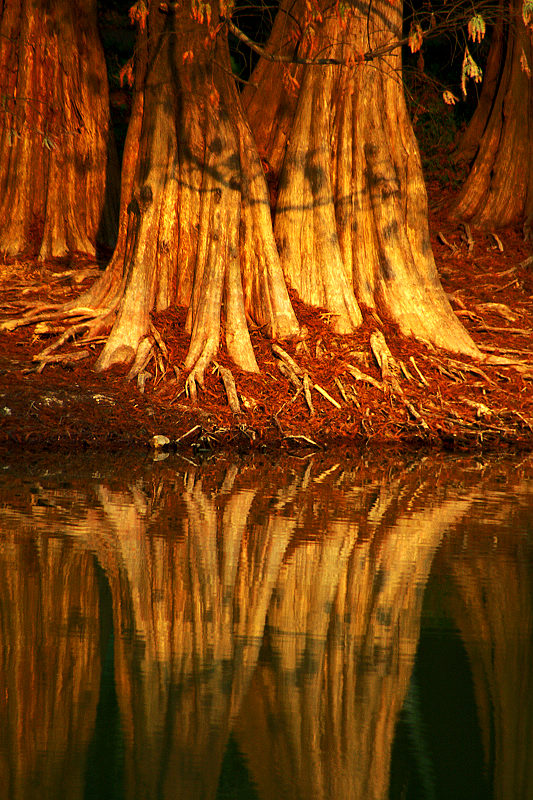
(317, 628)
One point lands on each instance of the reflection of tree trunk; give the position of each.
(343, 626)
(335, 560)
(49, 665)
(190, 608)
(493, 612)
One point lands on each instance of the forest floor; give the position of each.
(338, 398)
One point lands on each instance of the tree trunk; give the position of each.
(272, 121)
(58, 164)
(468, 145)
(195, 224)
(351, 219)
(499, 188)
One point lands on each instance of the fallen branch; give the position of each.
(197, 429)
(460, 365)
(299, 438)
(405, 371)
(287, 359)
(468, 237)
(526, 263)
(340, 387)
(480, 408)
(414, 413)
(498, 241)
(48, 314)
(422, 379)
(290, 374)
(491, 349)
(498, 308)
(514, 331)
(514, 282)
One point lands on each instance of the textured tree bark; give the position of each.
(499, 188)
(58, 165)
(195, 225)
(196, 228)
(468, 145)
(272, 121)
(351, 218)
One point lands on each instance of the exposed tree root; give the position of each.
(60, 358)
(229, 385)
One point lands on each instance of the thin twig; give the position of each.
(326, 395)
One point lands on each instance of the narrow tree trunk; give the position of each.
(351, 219)
(58, 165)
(272, 121)
(468, 145)
(499, 188)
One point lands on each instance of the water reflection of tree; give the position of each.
(342, 630)
(331, 558)
(49, 659)
(189, 612)
(492, 607)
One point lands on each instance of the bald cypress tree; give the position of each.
(58, 165)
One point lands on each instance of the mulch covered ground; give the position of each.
(334, 395)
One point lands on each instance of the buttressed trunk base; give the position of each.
(58, 164)
(197, 230)
(351, 219)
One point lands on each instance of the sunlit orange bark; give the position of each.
(351, 218)
(58, 164)
(195, 224)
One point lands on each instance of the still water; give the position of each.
(302, 629)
